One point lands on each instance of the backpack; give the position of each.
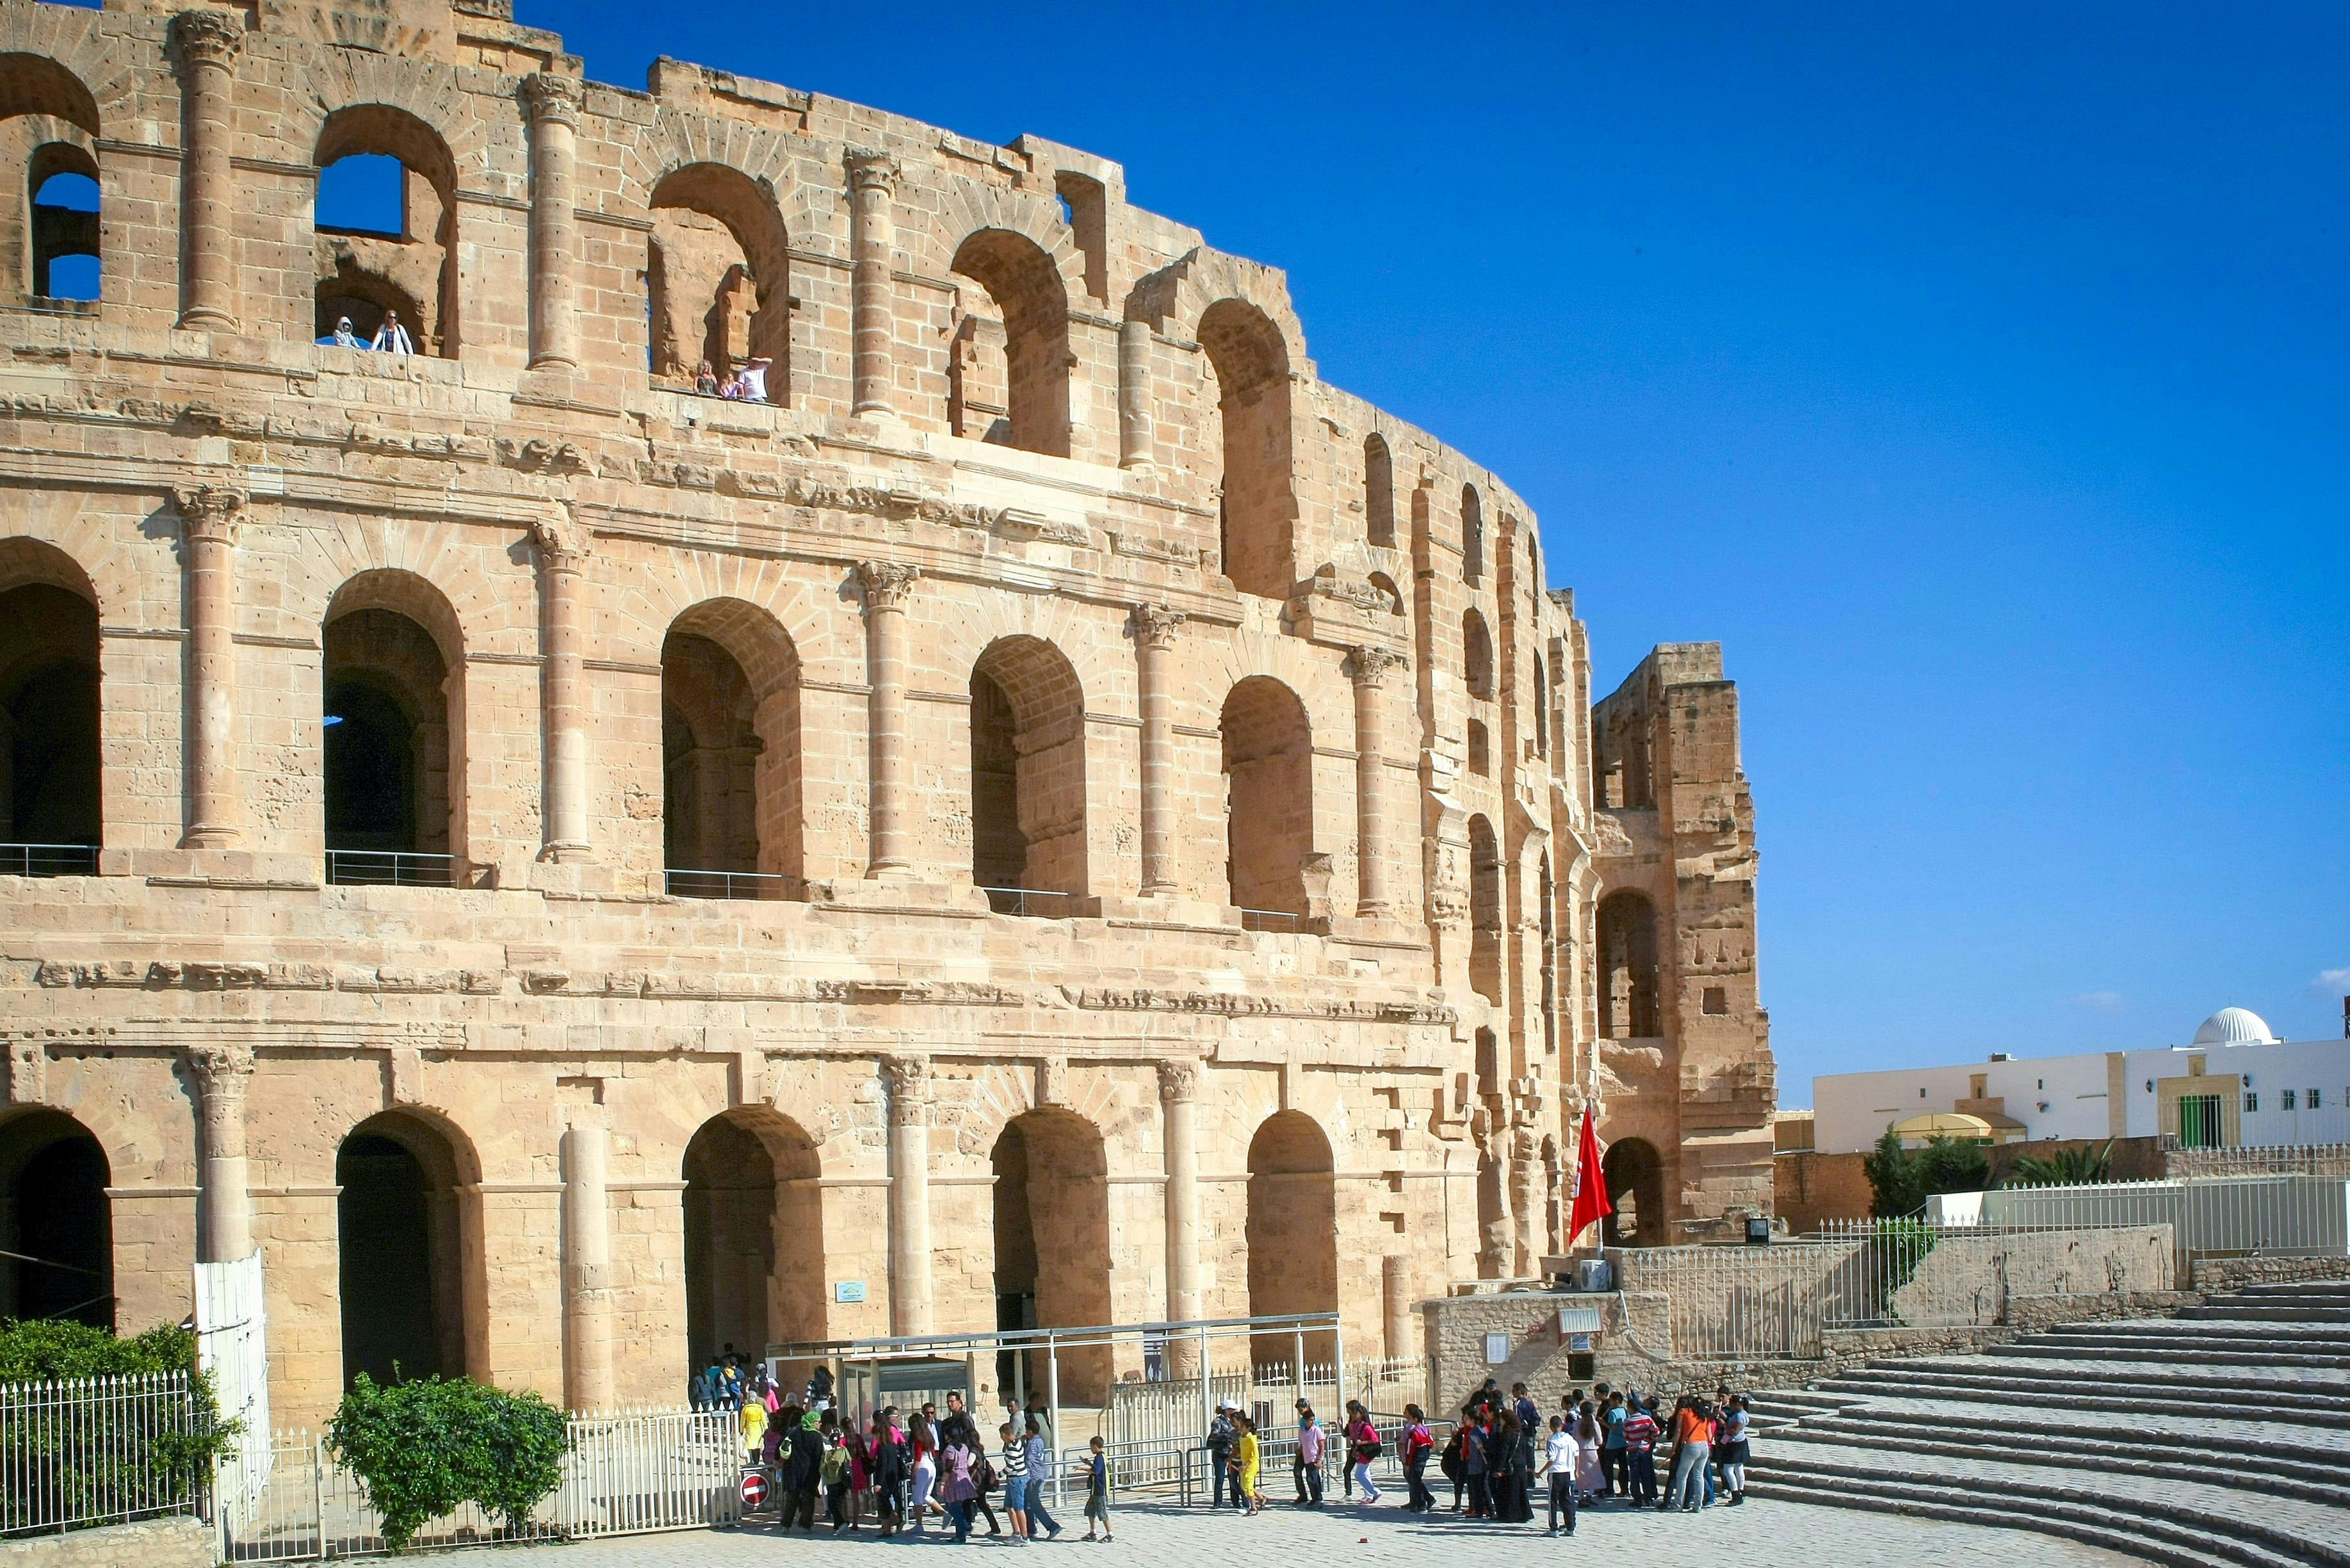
(835, 1464)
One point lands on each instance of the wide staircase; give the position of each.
(2220, 1436)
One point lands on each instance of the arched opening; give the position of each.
(1268, 751)
(1628, 997)
(385, 222)
(1476, 655)
(730, 755)
(1484, 910)
(1388, 591)
(49, 769)
(1620, 758)
(56, 1225)
(1542, 710)
(1293, 1232)
(49, 182)
(1053, 1245)
(63, 179)
(1247, 377)
(754, 1236)
(1472, 533)
(1008, 376)
(401, 1217)
(1027, 778)
(1636, 1190)
(1085, 207)
(719, 279)
(394, 720)
(1378, 492)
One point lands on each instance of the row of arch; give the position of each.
(411, 1251)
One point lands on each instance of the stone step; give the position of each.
(1798, 1401)
(2312, 1483)
(2068, 1393)
(2266, 1312)
(2168, 1327)
(2338, 1289)
(2199, 1353)
(2131, 1376)
(2070, 1433)
(2114, 1531)
(2170, 1515)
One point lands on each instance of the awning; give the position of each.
(1578, 1320)
(1963, 1126)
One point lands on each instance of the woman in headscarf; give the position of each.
(801, 1471)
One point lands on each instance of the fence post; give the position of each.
(1053, 1398)
(1207, 1388)
(1338, 1364)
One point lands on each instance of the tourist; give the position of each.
(834, 1472)
(1454, 1462)
(751, 379)
(1363, 1446)
(801, 1471)
(705, 380)
(1513, 1481)
(1558, 1464)
(1096, 1468)
(860, 1473)
(1039, 1454)
(1417, 1444)
(1529, 1414)
(889, 1469)
(753, 1417)
(957, 1484)
(1691, 1422)
(1640, 1433)
(1590, 1479)
(819, 1387)
(1612, 1463)
(1734, 1449)
(1297, 1453)
(1221, 1433)
(959, 1425)
(392, 337)
(1245, 1453)
(1311, 1444)
(926, 1472)
(343, 337)
(1016, 1483)
(1476, 1451)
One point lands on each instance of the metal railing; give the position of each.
(2281, 1160)
(1904, 1273)
(389, 868)
(2210, 1217)
(1184, 1466)
(724, 884)
(94, 1451)
(48, 859)
(1272, 920)
(627, 1473)
(1041, 902)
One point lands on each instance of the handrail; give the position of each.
(48, 859)
(1272, 920)
(1014, 900)
(389, 868)
(684, 883)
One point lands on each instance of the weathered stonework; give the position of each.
(1051, 567)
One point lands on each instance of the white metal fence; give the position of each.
(2210, 1217)
(1904, 1273)
(626, 1474)
(1177, 1409)
(95, 1450)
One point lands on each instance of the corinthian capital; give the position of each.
(562, 544)
(1155, 625)
(207, 37)
(549, 99)
(220, 1069)
(210, 511)
(908, 1079)
(887, 583)
(1178, 1081)
(1370, 665)
(871, 170)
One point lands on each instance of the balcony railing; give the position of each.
(48, 859)
(389, 868)
(1272, 920)
(724, 885)
(1042, 902)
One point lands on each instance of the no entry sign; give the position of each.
(754, 1489)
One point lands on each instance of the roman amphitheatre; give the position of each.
(1056, 815)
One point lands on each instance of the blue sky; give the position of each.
(1976, 374)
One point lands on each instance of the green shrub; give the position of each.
(108, 1463)
(423, 1448)
(1901, 1179)
(2071, 1168)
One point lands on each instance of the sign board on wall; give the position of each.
(845, 1292)
(1497, 1349)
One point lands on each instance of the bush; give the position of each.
(423, 1448)
(1901, 1179)
(109, 1462)
(2071, 1168)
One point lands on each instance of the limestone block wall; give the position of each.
(1258, 641)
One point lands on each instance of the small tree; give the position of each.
(1901, 1179)
(423, 1448)
(2069, 1168)
(107, 1462)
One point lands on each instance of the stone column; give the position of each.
(225, 1206)
(1154, 636)
(586, 1270)
(553, 104)
(207, 42)
(1179, 1104)
(909, 1082)
(1395, 1297)
(1134, 394)
(562, 684)
(210, 517)
(887, 586)
(1370, 666)
(873, 318)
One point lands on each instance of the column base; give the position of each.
(203, 318)
(576, 877)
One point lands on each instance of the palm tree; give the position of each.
(2069, 1168)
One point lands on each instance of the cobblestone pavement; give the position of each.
(1779, 1534)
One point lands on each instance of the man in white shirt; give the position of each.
(753, 378)
(1558, 1463)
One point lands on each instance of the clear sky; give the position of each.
(1975, 373)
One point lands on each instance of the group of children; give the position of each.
(748, 383)
(1598, 1445)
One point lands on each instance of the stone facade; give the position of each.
(1059, 814)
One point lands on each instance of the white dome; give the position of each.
(2235, 1026)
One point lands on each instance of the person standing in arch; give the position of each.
(392, 337)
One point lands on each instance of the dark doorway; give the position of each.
(54, 1209)
(397, 1219)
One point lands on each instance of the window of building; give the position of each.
(2251, 1100)
(1716, 1000)
(1480, 749)
(2284, 1100)
(2315, 1103)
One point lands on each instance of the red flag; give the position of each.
(1590, 1190)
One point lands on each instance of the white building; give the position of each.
(2236, 1086)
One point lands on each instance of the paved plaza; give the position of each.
(1151, 1535)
